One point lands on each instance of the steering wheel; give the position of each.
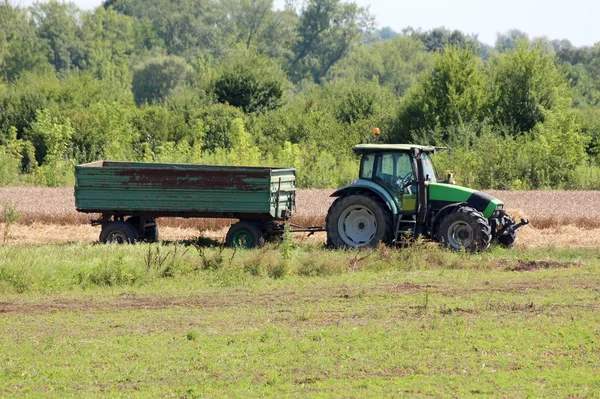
(402, 181)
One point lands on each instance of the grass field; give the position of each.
(82, 320)
(188, 319)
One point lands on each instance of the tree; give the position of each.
(20, 48)
(156, 78)
(524, 84)
(250, 82)
(439, 38)
(449, 97)
(108, 41)
(185, 27)
(509, 40)
(58, 25)
(249, 18)
(328, 29)
(394, 63)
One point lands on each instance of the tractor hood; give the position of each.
(441, 195)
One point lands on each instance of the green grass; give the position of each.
(137, 321)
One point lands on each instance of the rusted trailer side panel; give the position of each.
(184, 190)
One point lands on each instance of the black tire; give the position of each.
(508, 240)
(245, 235)
(149, 234)
(465, 229)
(374, 222)
(118, 233)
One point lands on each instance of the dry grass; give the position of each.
(545, 209)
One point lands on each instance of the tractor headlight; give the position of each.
(500, 207)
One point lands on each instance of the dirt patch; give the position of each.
(520, 265)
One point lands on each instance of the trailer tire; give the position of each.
(149, 234)
(118, 233)
(245, 235)
(359, 220)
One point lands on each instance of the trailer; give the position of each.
(130, 196)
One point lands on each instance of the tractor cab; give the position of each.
(395, 168)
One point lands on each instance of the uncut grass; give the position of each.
(545, 209)
(388, 323)
(82, 267)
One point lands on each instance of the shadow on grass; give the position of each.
(202, 242)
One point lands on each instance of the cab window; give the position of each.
(367, 166)
(428, 168)
(394, 170)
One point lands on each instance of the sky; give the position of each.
(574, 20)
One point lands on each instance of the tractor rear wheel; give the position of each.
(359, 220)
(465, 229)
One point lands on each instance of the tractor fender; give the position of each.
(366, 185)
(442, 213)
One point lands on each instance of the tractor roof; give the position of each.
(369, 148)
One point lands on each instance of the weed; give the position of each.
(191, 335)
(10, 215)
(211, 259)
(108, 274)
(287, 243)
(277, 270)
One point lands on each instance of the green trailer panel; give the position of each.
(185, 190)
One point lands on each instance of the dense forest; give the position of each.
(238, 82)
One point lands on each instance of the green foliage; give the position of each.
(210, 82)
(10, 215)
(108, 40)
(57, 25)
(52, 136)
(156, 78)
(327, 31)
(21, 49)
(524, 84)
(551, 156)
(451, 96)
(439, 39)
(395, 63)
(250, 82)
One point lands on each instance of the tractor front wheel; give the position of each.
(465, 229)
(359, 220)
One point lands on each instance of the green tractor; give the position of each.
(397, 196)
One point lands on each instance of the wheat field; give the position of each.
(561, 218)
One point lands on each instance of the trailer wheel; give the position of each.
(148, 234)
(118, 233)
(245, 235)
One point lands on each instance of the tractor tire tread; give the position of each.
(483, 231)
